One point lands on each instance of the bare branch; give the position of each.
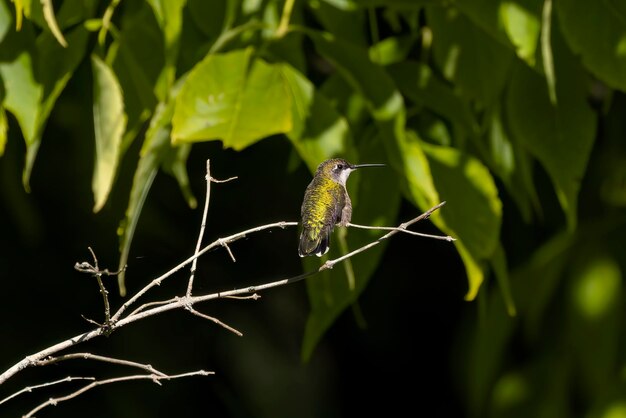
(205, 212)
(95, 357)
(218, 242)
(186, 302)
(56, 382)
(155, 303)
(155, 378)
(217, 321)
(406, 231)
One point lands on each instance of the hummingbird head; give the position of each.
(339, 169)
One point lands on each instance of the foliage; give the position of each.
(475, 103)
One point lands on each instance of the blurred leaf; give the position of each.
(234, 98)
(546, 49)
(418, 83)
(394, 49)
(23, 92)
(155, 145)
(512, 164)
(6, 19)
(137, 58)
(501, 271)
(596, 300)
(473, 210)
(376, 201)
(319, 132)
(347, 24)
(3, 130)
(599, 36)
(522, 25)
(48, 12)
(109, 125)
(560, 137)
(169, 15)
(174, 163)
(208, 16)
(474, 62)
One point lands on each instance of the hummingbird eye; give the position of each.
(339, 167)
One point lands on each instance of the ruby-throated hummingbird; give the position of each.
(326, 204)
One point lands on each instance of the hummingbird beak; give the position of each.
(355, 166)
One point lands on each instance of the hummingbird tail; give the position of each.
(310, 245)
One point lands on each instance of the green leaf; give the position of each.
(23, 92)
(137, 59)
(376, 200)
(169, 14)
(473, 210)
(319, 131)
(418, 82)
(175, 164)
(474, 62)
(48, 13)
(511, 163)
(599, 36)
(3, 130)
(155, 145)
(234, 98)
(393, 49)
(109, 125)
(6, 20)
(501, 271)
(521, 23)
(560, 137)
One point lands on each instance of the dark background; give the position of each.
(400, 360)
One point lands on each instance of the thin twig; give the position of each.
(155, 303)
(155, 378)
(406, 231)
(205, 212)
(217, 321)
(89, 356)
(31, 388)
(216, 243)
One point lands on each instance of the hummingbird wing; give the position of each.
(321, 211)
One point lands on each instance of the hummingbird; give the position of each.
(326, 204)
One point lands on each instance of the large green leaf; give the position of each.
(559, 136)
(3, 130)
(598, 35)
(376, 200)
(232, 97)
(109, 126)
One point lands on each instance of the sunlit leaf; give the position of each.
(48, 12)
(23, 92)
(109, 126)
(232, 97)
(473, 210)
